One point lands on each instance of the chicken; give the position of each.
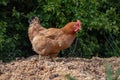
(49, 42)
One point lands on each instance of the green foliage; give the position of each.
(68, 77)
(109, 73)
(100, 25)
(117, 74)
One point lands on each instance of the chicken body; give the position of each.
(49, 42)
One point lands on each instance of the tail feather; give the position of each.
(34, 27)
(33, 19)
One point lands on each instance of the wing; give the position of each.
(58, 37)
(53, 33)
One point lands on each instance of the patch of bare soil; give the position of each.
(40, 69)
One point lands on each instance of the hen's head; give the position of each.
(77, 26)
(72, 27)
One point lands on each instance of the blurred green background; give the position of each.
(100, 34)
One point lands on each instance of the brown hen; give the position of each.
(49, 42)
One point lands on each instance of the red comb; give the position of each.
(78, 21)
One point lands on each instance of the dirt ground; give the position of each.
(34, 68)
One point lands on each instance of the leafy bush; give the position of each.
(109, 73)
(100, 25)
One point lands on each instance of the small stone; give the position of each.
(53, 76)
